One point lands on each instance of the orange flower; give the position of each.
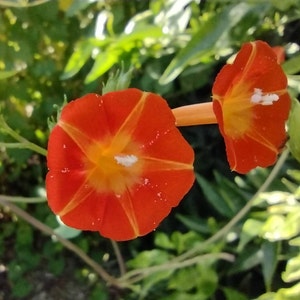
(250, 104)
(115, 162)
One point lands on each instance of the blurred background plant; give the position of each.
(232, 237)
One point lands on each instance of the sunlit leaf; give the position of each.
(292, 271)
(251, 229)
(205, 40)
(80, 56)
(7, 74)
(292, 66)
(104, 61)
(291, 293)
(293, 129)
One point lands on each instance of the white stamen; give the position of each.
(126, 160)
(259, 98)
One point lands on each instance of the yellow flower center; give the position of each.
(237, 110)
(113, 167)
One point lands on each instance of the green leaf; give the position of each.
(184, 241)
(292, 271)
(267, 296)
(149, 258)
(292, 66)
(278, 227)
(214, 197)
(205, 40)
(291, 293)
(249, 258)
(7, 74)
(81, 54)
(269, 262)
(118, 81)
(234, 197)
(284, 5)
(251, 229)
(295, 242)
(162, 240)
(201, 277)
(293, 129)
(195, 224)
(104, 61)
(232, 294)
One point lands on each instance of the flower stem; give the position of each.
(23, 199)
(241, 214)
(195, 114)
(119, 257)
(66, 243)
(23, 143)
(136, 275)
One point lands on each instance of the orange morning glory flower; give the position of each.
(117, 164)
(251, 105)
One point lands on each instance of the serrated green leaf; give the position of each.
(184, 241)
(278, 227)
(162, 240)
(293, 129)
(117, 81)
(201, 277)
(149, 258)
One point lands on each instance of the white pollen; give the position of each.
(126, 160)
(264, 99)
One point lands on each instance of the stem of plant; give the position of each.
(139, 274)
(23, 199)
(190, 257)
(23, 143)
(223, 232)
(119, 257)
(66, 243)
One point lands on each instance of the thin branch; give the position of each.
(23, 199)
(119, 257)
(222, 232)
(26, 144)
(66, 243)
(134, 276)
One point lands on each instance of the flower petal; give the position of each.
(254, 133)
(112, 159)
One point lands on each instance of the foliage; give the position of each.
(232, 237)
